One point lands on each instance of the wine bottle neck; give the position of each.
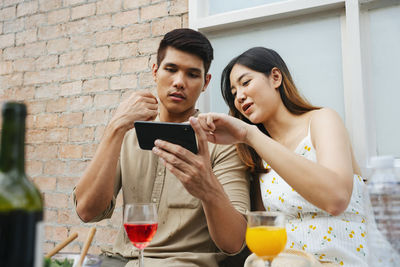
(12, 153)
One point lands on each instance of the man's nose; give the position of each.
(179, 80)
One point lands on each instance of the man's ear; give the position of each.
(154, 70)
(276, 77)
(206, 82)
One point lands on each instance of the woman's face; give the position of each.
(255, 94)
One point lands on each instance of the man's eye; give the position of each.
(193, 75)
(170, 69)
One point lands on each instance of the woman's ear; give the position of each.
(276, 77)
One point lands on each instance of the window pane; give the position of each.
(385, 77)
(221, 6)
(311, 47)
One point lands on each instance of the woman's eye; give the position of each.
(246, 83)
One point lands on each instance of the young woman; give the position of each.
(301, 154)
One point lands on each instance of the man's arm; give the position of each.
(197, 176)
(95, 189)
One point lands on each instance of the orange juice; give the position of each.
(266, 241)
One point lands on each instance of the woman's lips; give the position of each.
(246, 107)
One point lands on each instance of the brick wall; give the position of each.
(72, 62)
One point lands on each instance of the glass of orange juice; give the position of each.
(266, 234)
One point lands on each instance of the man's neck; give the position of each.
(176, 117)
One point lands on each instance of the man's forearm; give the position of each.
(94, 190)
(226, 225)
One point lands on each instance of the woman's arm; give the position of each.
(326, 183)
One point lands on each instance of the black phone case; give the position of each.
(178, 133)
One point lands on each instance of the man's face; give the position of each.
(180, 80)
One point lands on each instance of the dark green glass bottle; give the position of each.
(21, 206)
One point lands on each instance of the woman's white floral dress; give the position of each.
(340, 239)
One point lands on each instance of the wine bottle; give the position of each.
(21, 206)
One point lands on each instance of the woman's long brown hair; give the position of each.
(262, 60)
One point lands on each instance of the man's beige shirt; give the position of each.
(182, 237)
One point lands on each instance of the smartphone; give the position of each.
(178, 133)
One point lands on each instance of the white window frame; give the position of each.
(356, 87)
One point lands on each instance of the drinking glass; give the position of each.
(266, 234)
(140, 222)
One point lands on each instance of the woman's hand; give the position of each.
(223, 129)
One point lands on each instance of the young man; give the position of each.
(200, 197)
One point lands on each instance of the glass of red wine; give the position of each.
(140, 222)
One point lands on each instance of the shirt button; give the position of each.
(154, 200)
(159, 173)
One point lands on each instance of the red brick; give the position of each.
(11, 80)
(7, 40)
(100, 132)
(35, 21)
(99, 23)
(70, 151)
(73, 88)
(83, 11)
(73, 2)
(108, 37)
(80, 103)
(107, 68)
(135, 64)
(24, 64)
(58, 16)
(146, 80)
(50, 215)
(77, 27)
(66, 184)
(57, 135)
(136, 32)
(94, 117)
(71, 58)
(35, 136)
(77, 167)
(27, 8)
(42, 91)
(107, 6)
(178, 7)
(44, 152)
(81, 134)
(6, 67)
(57, 46)
(68, 216)
(24, 37)
(34, 168)
(24, 93)
(35, 107)
(118, 51)
(15, 25)
(154, 11)
(107, 100)
(89, 150)
(123, 82)
(81, 72)
(82, 41)
(161, 27)
(46, 62)
(46, 121)
(46, 5)
(7, 13)
(51, 32)
(56, 233)
(125, 18)
(11, 53)
(97, 54)
(70, 119)
(148, 46)
(96, 85)
(58, 105)
(130, 4)
(55, 167)
(45, 183)
(106, 235)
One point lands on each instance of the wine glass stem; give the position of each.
(267, 263)
(141, 258)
